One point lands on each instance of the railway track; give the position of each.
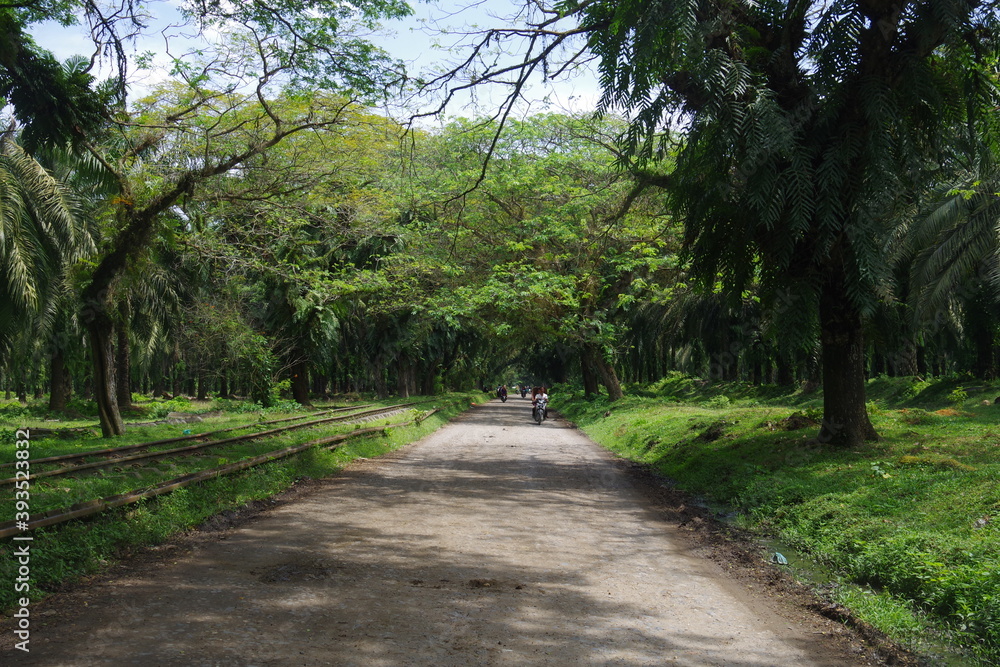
(98, 505)
(116, 455)
(182, 438)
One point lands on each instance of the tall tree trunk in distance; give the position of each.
(123, 370)
(21, 389)
(427, 383)
(159, 374)
(428, 378)
(878, 363)
(300, 381)
(318, 383)
(845, 415)
(377, 376)
(921, 361)
(404, 370)
(101, 333)
(981, 328)
(785, 374)
(605, 371)
(590, 386)
(224, 385)
(202, 383)
(59, 379)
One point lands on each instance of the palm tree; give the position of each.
(952, 250)
(42, 231)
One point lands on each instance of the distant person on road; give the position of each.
(540, 393)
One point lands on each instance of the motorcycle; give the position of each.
(539, 410)
(524, 392)
(502, 394)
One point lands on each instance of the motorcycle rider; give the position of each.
(539, 393)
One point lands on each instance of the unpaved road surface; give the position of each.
(494, 541)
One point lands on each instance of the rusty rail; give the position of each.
(190, 448)
(180, 438)
(91, 507)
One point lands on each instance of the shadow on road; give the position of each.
(494, 541)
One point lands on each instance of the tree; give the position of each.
(42, 232)
(804, 129)
(222, 114)
(542, 252)
(951, 251)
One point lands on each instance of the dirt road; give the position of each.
(494, 541)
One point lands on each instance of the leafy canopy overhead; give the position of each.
(806, 123)
(314, 43)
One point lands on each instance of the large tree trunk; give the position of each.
(845, 416)
(100, 333)
(59, 378)
(123, 371)
(904, 362)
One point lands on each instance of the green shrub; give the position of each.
(718, 402)
(957, 397)
(916, 388)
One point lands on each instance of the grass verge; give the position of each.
(910, 524)
(63, 553)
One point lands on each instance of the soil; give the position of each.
(494, 541)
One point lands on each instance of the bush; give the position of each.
(957, 397)
(916, 388)
(161, 410)
(11, 410)
(719, 402)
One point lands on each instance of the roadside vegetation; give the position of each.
(65, 552)
(908, 527)
(764, 194)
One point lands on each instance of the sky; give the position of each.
(437, 34)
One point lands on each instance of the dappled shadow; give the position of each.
(508, 543)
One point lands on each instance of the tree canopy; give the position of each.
(769, 191)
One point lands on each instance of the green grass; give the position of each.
(915, 516)
(65, 552)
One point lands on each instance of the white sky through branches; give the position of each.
(438, 36)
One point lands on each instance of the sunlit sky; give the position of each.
(420, 41)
